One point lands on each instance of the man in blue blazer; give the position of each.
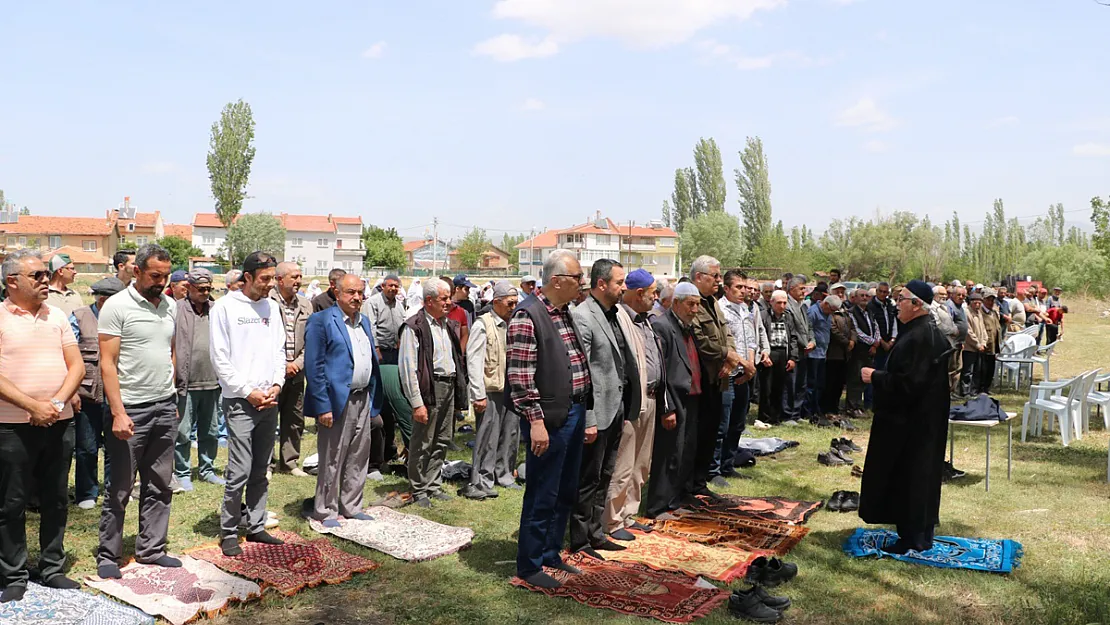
(344, 395)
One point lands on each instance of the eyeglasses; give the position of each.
(39, 275)
(715, 276)
(576, 276)
(203, 289)
(909, 298)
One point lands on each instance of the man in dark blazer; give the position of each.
(676, 434)
(344, 394)
(785, 353)
(617, 397)
(328, 298)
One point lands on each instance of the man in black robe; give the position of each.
(905, 456)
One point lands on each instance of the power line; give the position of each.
(1074, 210)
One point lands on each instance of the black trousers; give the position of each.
(709, 422)
(672, 460)
(836, 373)
(969, 373)
(857, 360)
(984, 378)
(1050, 334)
(45, 452)
(599, 458)
(772, 385)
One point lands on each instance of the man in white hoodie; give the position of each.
(248, 352)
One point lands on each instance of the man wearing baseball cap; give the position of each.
(62, 274)
(179, 282)
(527, 287)
(198, 389)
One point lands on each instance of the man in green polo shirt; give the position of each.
(136, 329)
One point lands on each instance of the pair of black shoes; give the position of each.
(757, 605)
(949, 472)
(843, 501)
(770, 572)
(844, 445)
(477, 493)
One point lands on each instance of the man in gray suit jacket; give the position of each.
(616, 392)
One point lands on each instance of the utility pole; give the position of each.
(532, 251)
(435, 244)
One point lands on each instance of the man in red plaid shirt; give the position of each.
(548, 382)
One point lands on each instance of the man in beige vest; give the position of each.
(498, 435)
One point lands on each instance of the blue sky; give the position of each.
(514, 114)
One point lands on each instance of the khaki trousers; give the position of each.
(631, 471)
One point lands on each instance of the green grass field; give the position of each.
(1056, 505)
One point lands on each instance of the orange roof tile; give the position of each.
(206, 220)
(185, 231)
(551, 237)
(37, 224)
(543, 239)
(79, 256)
(348, 221)
(307, 223)
(412, 246)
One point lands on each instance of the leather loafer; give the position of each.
(835, 502)
(746, 604)
(850, 502)
(609, 545)
(622, 534)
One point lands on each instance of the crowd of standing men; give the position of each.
(612, 380)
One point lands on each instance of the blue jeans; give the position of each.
(89, 440)
(196, 407)
(734, 416)
(550, 492)
(815, 385)
(880, 365)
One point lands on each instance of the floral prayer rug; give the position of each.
(403, 536)
(948, 552)
(178, 595)
(633, 588)
(712, 528)
(290, 567)
(47, 606)
(667, 553)
(764, 508)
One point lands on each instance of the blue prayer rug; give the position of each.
(47, 606)
(975, 554)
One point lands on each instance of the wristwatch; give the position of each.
(57, 403)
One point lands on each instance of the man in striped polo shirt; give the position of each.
(40, 369)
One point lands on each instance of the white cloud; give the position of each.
(508, 48)
(533, 104)
(1091, 149)
(1008, 120)
(728, 54)
(639, 23)
(159, 167)
(375, 51)
(866, 114)
(875, 146)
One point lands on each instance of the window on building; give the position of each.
(321, 242)
(55, 241)
(297, 242)
(209, 238)
(141, 240)
(602, 239)
(12, 241)
(130, 227)
(88, 246)
(666, 242)
(524, 255)
(339, 244)
(22, 241)
(321, 267)
(574, 238)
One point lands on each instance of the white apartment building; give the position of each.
(653, 247)
(319, 243)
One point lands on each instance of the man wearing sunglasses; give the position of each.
(40, 369)
(198, 390)
(62, 275)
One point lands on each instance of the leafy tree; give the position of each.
(1100, 217)
(716, 234)
(667, 213)
(1073, 268)
(754, 184)
(384, 248)
(24, 211)
(682, 200)
(472, 247)
(711, 188)
(509, 243)
(255, 232)
(229, 160)
(180, 250)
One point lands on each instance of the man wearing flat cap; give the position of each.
(905, 458)
(62, 274)
(198, 389)
(498, 432)
(90, 420)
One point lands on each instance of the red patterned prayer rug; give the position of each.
(662, 552)
(290, 567)
(633, 588)
(764, 508)
(713, 528)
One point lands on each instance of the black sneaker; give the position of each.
(770, 572)
(771, 601)
(838, 445)
(746, 604)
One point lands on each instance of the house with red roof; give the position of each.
(651, 246)
(319, 243)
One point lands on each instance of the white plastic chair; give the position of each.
(1042, 357)
(1100, 399)
(1049, 397)
(1016, 362)
(1084, 400)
